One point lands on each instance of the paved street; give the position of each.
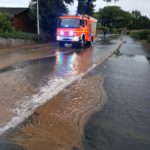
(65, 89)
(123, 123)
(74, 75)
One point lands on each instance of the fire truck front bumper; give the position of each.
(68, 39)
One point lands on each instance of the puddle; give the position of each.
(141, 59)
(137, 58)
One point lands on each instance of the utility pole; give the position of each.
(38, 18)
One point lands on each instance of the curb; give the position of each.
(114, 51)
(107, 57)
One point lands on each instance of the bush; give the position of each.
(148, 39)
(5, 23)
(7, 31)
(102, 28)
(140, 34)
(22, 35)
(128, 32)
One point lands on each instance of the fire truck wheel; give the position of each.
(74, 45)
(61, 44)
(90, 42)
(82, 42)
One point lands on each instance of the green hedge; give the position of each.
(148, 39)
(102, 28)
(142, 34)
(22, 35)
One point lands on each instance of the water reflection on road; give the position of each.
(21, 81)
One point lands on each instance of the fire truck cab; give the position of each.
(76, 30)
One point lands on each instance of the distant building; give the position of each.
(21, 19)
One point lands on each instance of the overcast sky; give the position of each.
(128, 5)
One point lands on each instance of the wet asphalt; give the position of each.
(124, 121)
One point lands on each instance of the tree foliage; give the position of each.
(87, 6)
(49, 10)
(5, 23)
(113, 17)
(139, 21)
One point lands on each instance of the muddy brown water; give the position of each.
(59, 123)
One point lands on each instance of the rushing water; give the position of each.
(58, 124)
(124, 121)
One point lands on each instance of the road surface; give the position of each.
(124, 121)
(78, 103)
(29, 84)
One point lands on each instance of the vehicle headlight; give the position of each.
(61, 32)
(71, 33)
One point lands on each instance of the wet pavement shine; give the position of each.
(59, 93)
(123, 123)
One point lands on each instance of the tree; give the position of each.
(139, 21)
(87, 6)
(81, 6)
(49, 10)
(113, 17)
(136, 14)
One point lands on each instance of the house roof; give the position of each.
(12, 11)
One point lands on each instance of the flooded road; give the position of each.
(124, 121)
(59, 123)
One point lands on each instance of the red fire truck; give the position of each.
(76, 30)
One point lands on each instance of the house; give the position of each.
(21, 19)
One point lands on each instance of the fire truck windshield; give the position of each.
(69, 23)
